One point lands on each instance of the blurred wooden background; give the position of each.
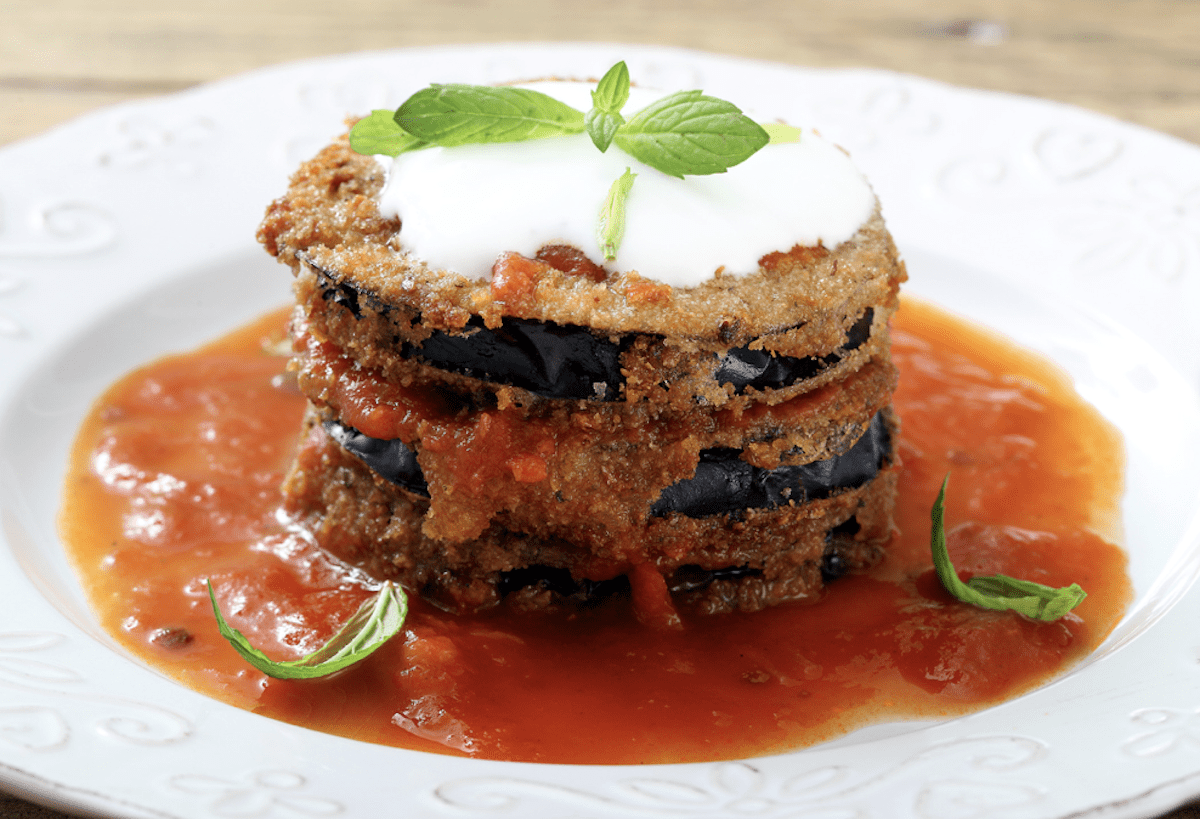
(1138, 60)
(1135, 59)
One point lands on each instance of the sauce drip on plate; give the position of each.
(174, 480)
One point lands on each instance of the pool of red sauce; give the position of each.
(175, 478)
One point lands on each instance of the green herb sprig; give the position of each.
(377, 620)
(610, 96)
(997, 592)
(685, 133)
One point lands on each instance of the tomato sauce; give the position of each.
(174, 481)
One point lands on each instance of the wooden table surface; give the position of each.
(1134, 59)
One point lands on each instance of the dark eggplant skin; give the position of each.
(723, 484)
(390, 460)
(548, 359)
(761, 370)
(569, 361)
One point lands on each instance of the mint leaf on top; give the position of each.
(683, 133)
(379, 134)
(997, 592)
(689, 133)
(450, 115)
(611, 94)
(376, 621)
(612, 215)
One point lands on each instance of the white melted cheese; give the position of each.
(460, 207)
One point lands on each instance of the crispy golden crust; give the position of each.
(574, 446)
(372, 524)
(662, 371)
(517, 480)
(803, 295)
(809, 427)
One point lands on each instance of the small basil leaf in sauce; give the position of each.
(612, 215)
(610, 96)
(379, 134)
(689, 133)
(450, 115)
(376, 621)
(997, 592)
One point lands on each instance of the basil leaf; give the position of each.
(781, 132)
(375, 622)
(612, 215)
(604, 118)
(450, 115)
(689, 133)
(997, 592)
(379, 134)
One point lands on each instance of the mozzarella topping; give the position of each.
(460, 207)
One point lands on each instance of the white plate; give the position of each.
(129, 233)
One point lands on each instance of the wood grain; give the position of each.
(1138, 60)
